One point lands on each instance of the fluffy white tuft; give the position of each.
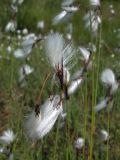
(11, 26)
(79, 143)
(85, 53)
(95, 2)
(54, 45)
(57, 51)
(74, 86)
(26, 46)
(1, 150)
(32, 124)
(67, 2)
(104, 135)
(108, 78)
(7, 137)
(102, 104)
(24, 71)
(92, 21)
(38, 126)
(62, 17)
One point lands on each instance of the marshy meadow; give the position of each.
(59, 80)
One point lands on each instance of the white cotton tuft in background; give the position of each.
(108, 78)
(79, 143)
(74, 86)
(85, 53)
(7, 137)
(94, 2)
(67, 2)
(104, 135)
(102, 104)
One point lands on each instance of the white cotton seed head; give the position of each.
(70, 8)
(85, 53)
(1, 150)
(24, 71)
(7, 137)
(62, 17)
(102, 104)
(104, 135)
(74, 86)
(56, 50)
(38, 126)
(19, 53)
(25, 31)
(40, 24)
(68, 36)
(11, 26)
(20, 2)
(54, 45)
(67, 2)
(32, 124)
(108, 78)
(9, 49)
(79, 143)
(95, 2)
(92, 22)
(48, 122)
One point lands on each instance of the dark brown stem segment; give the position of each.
(38, 99)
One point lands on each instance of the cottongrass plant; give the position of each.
(7, 139)
(92, 18)
(42, 119)
(109, 81)
(60, 56)
(68, 8)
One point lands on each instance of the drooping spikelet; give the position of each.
(37, 126)
(85, 53)
(92, 21)
(108, 78)
(102, 104)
